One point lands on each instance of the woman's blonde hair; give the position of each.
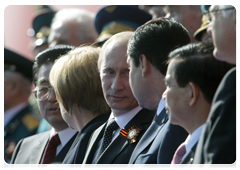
(76, 80)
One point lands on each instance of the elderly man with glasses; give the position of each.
(51, 146)
(217, 145)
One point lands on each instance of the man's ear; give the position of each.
(194, 93)
(144, 64)
(236, 18)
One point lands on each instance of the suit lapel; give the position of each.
(149, 135)
(117, 145)
(188, 159)
(61, 155)
(120, 143)
(93, 143)
(38, 150)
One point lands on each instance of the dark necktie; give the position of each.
(107, 137)
(50, 150)
(178, 155)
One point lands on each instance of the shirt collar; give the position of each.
(161, 106)
(123, 119)
(64, 135)
(11, 113)
(193, 138)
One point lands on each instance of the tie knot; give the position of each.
(55, 140)
(112, 125)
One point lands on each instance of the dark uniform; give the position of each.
(113, 19)
(24, 123)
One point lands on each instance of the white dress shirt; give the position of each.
(64, 136)
(192, 139)
(11, 113)
(122, 121)
(161, 106)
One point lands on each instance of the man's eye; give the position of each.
(108, 72)
(43, 89)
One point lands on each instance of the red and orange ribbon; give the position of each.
(131, 134)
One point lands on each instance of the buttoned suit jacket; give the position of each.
(120, 149)
(159, 143)
(217, 144)
(30, 150)
(188, 159)
(78, 149)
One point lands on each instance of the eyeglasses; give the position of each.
(42, 93)
(209, 14)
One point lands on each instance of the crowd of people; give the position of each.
(147, 84)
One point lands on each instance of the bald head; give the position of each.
(119, 40)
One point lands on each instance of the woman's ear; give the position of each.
(194, 93)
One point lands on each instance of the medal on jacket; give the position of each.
(131, 134)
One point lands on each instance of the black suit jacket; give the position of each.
(30, 150)
(77, 151)
(190, 155)
(217, 145)
(120, 149)
(159, 143)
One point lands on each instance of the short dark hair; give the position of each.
(48, 56)
(156, 39)
(196, 64)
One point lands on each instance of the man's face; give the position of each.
(175, 97)
(64, 33)
(114, 74)
(223, 31)
(189, 18)
(49, 107)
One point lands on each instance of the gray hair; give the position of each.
(83, 17)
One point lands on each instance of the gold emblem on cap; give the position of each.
(111, 9)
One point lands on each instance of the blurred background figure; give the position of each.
(40, 28)
(113, 19)
(188, 15)
(155, 10)
(19, 120)
(201, 34)
(72, 27)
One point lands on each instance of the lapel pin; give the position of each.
(131, 134)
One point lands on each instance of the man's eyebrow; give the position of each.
(125, 69)
(42, 81)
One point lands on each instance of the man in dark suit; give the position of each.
(147, 52)
(129, 119)
(19, 120)
(217, 144)
(30, 150)
(188, 97)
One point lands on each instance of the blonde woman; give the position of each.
(77, 85)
